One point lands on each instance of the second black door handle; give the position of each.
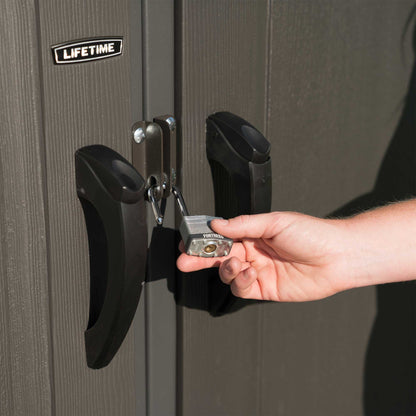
(239, 156)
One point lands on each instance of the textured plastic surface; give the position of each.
(111, 192)
(241, 168)
(245, 139)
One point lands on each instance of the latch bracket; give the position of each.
(154, 154)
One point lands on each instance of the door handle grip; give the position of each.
(239, 156)
(111, 192)
(240, 164)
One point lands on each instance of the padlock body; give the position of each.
(200, 240)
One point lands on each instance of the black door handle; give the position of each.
(239, 156)
(241, 167)
(111, 192)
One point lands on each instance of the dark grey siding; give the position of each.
(325, 81)
(25, 351)
(47, 112)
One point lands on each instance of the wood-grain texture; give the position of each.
(325, 81)
(338, 76)
(158, 99)
(84, 104)
(25, 354)
(223, 50)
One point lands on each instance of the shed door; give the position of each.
(47, 112)
(327, 83)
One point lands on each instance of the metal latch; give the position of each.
(154, 154)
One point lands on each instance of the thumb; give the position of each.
(248, 226)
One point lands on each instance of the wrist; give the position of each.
(347, 264)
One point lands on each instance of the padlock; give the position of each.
(198, 237)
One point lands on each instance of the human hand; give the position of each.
(281, 256)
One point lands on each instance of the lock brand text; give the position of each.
(213, 236)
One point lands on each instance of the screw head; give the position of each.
(171, 123)
(139, 135)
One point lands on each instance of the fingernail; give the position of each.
(228, 268)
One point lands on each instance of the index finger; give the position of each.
(248, 226)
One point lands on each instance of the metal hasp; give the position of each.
(154, 153)
(111, 192)
(240, 164)
(168, 125)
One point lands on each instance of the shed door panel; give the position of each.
(325, 81)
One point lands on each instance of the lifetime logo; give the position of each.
(87, 50)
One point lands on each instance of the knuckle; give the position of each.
(238, 291)
(224, 277)
(243, 221)
(280, 221)
(235, 290)
(224, 267)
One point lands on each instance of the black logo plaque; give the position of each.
(87, 50)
